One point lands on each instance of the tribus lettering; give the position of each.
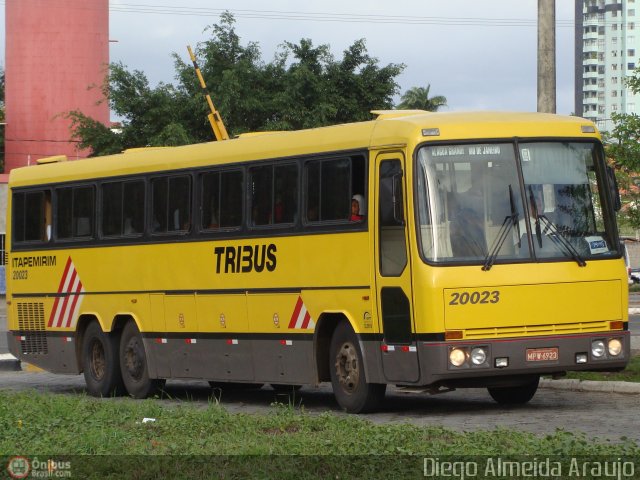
(246, 258)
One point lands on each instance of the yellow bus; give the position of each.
(432, 250)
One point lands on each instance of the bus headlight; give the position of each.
(615, 347)
(457, 357)
(478, 356)
(597, 348)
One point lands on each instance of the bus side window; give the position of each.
(220, 200)
(274, 194)
(393, 250)
(171, 204)
(31, 216)
(122, 208)
(328, 188)
(75, 212)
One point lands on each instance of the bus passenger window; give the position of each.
(328, 185)
(74, 212)
(285, 208)
(32, 216)
(220, 201)
(171, 204)
(122, 208)
(274, 194)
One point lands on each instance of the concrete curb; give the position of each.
(591, 386)
(9, 363)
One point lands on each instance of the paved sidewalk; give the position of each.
(591, 386)
(8, 362)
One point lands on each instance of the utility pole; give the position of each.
(547, 56)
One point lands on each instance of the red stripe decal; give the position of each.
(296, 312)
(305, 322)
(72, 310)
(60, 287)
(65, 302)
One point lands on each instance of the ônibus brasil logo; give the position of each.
(18, 467)
(21, 467)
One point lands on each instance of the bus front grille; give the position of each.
(536, 330)
(32, 328)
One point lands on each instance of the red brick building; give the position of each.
(55, 50)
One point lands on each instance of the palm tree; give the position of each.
(418, 98)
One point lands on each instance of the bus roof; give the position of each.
(389, 128)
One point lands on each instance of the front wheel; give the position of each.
(350, 387)
(100, 362)
(133, 363)
(515, 395)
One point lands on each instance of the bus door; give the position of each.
(393, 272)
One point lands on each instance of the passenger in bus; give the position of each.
(358, 208)
(128, 227)
(278, 209)
(539, 228)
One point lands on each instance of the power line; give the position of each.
(329, 17)
(158, 9)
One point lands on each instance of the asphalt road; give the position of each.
(597, 415)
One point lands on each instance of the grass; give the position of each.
(630, 374)
(285, 443)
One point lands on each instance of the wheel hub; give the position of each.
(347, 368)
(133, 359)
(98, 360)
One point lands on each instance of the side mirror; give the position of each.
(613, 188)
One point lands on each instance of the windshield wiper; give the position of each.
(509, 222)
(555, 234)
(559, 240)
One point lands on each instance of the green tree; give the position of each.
(150, 116)
(304, 86)
(418, 98)
(623, 147)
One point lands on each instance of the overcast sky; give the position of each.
(481, 55)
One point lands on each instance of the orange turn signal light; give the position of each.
(453, 335)
(617, 325)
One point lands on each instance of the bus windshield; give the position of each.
(502, 201)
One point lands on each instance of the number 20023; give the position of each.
(20, 274)
(474, 298)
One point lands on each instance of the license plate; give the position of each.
(542, 354)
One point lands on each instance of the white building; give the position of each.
(607, 51)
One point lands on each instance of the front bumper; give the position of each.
(526, 356)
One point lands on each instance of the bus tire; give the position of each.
(515, 395)
(350, 387)
(133, 363)
(100, 362)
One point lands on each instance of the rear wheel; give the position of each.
(350, 387)
(133, 363)
(100, 362)
(514, 395)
